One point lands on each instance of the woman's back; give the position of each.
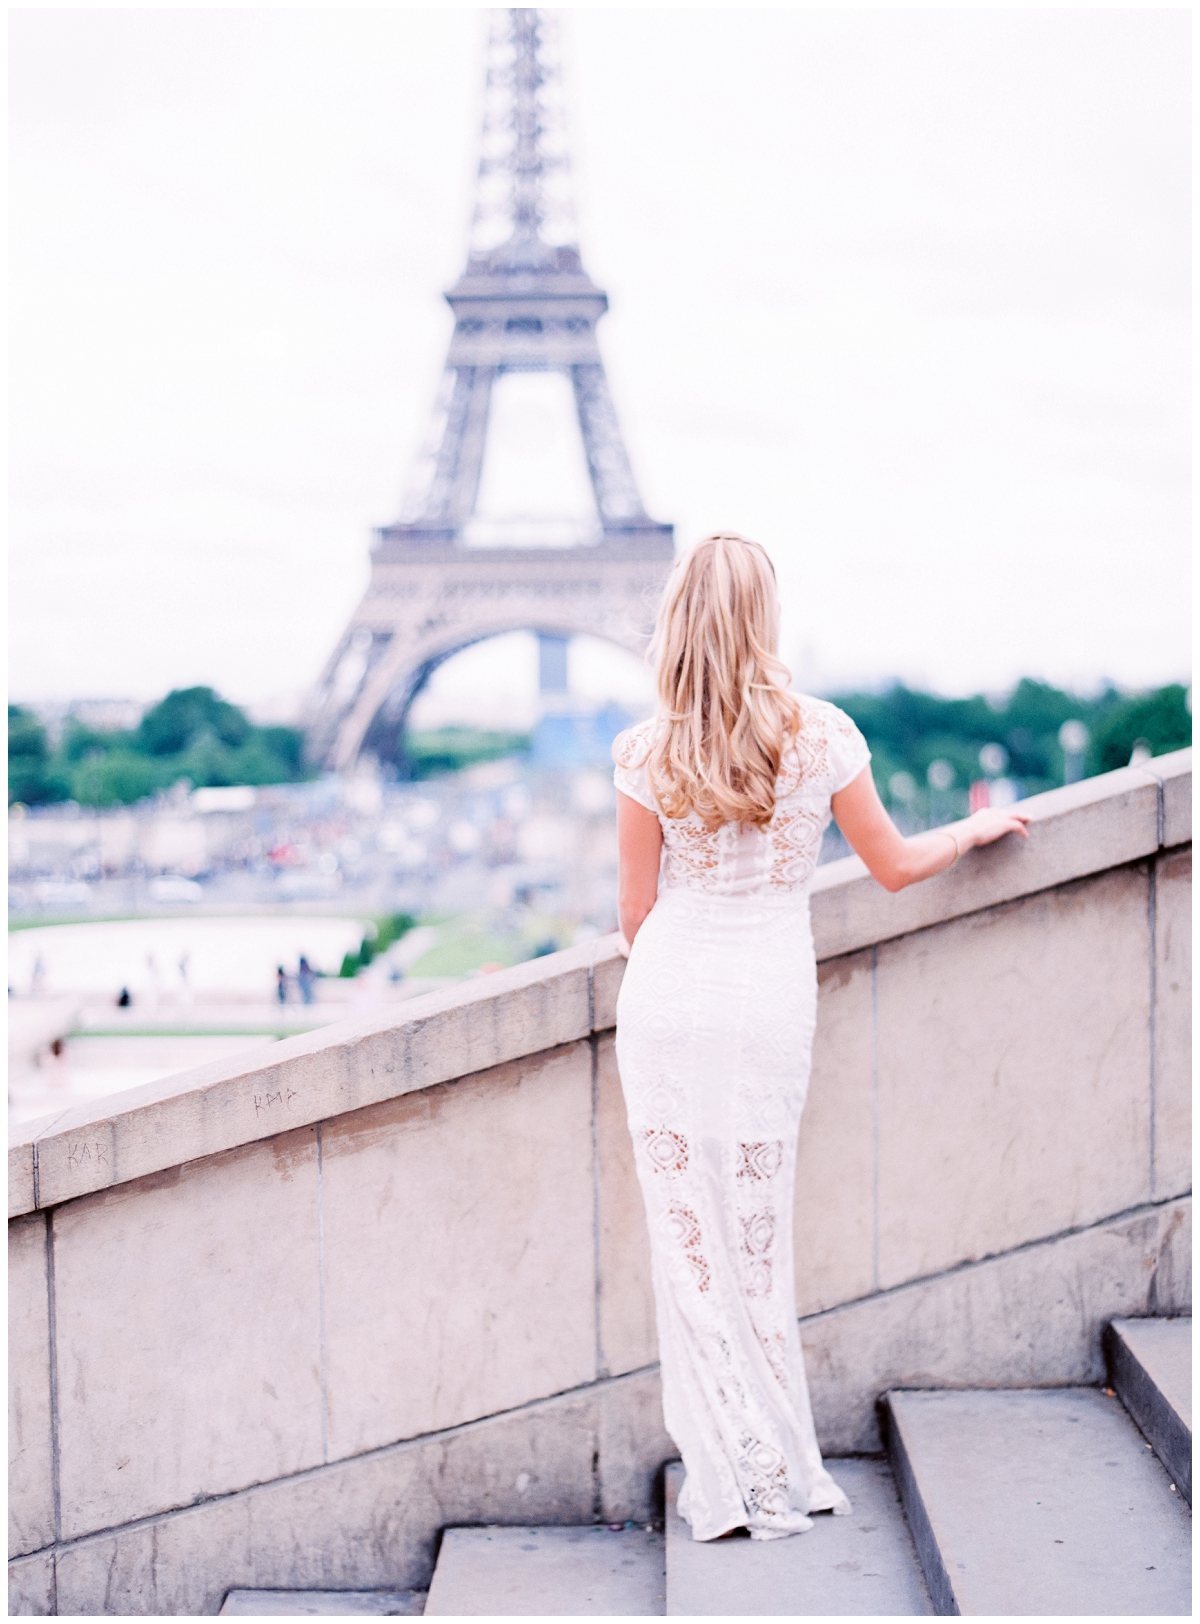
(739, 859)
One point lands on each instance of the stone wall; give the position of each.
(277, 1323)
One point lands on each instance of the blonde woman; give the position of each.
(724, 797)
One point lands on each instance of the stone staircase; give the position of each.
(847, 1566)
(324, 1604)
(1061, 1501)
(579, 1572)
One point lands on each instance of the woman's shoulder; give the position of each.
(631, 748)
(822, 717)
(828, 752)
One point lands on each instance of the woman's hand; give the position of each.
(992, 823)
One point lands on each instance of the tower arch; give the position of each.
(419, 610)
(384, 733)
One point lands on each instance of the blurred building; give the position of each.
(104, 715)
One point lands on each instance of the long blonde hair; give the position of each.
(722, 691)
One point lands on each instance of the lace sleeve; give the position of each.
(629, 752)
(848, 752)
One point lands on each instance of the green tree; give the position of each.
(185, 716)
(1160, 720)
(390, 929)
(31, 775)
(208, 761)
(257, 762)
(447, 749)
(285, 745)
(1039, 707)
(118, 778)
(907, 730)
(193, 733)
(79, 741)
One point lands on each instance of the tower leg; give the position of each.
(460, 455)
(608, 462)
(552, 664)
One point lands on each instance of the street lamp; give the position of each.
(940, 776)
(903, 789)
(903, 786)
(1073, 739)
(993, 790)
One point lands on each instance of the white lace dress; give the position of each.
(715, 1023)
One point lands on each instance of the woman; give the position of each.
(724, 797)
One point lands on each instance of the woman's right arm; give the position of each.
(895, 861)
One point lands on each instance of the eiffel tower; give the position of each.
(523, 304)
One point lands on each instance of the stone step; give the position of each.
(844, 1566)
(1038, 1502)
(1150, 1365)
(323, 1604)
(541, 1572)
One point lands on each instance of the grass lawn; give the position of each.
(469, 941)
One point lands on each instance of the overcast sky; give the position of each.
(902, 294)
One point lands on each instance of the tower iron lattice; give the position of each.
(524, 303)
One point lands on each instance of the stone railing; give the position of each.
(273, 1324)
